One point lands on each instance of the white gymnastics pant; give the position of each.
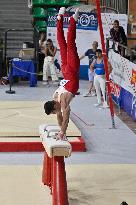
(100, 86)
(49, 67)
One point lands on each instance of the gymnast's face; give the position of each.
(116, 25)
(98, 54)
(49, 44)
(57, 107)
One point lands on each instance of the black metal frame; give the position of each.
(35, 41)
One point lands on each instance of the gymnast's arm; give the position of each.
(66, 114)
(59, 118)
(65, 100)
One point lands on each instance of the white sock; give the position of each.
(76, 15)
(62, 10)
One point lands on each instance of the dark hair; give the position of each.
(124, 203)
(49, 40)
(98, 51)
(49, 107)
(116, 21)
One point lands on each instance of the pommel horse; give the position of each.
(53, 173)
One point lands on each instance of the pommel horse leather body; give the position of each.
(52, 146)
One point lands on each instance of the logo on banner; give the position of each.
(115, 89)
(133, 78)
(86, 21)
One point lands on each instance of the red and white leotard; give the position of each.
(69, 56)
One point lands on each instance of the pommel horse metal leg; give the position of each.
(60, 196)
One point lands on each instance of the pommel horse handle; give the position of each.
(53, 130)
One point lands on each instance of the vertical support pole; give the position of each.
(36, 46)
(10, 91)
(104, 2)
(46, 172)
(107, 45)
(105, 61)
(60, 196)
(5, 53)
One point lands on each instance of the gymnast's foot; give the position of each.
(62, 11)
(76, 15)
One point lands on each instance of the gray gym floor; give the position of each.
(104, 144)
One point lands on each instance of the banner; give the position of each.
(124, 72)
(123, 77)
(115, 89)
(86, 21)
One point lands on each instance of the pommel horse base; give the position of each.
(53, 174)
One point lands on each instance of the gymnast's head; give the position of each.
(124, 203)
(99, 53)
(52, 107)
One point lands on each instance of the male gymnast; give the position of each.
(62, 97)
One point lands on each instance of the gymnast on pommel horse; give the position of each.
(68, 88)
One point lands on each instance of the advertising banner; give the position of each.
(86, 21)
(124, 77)
(124, 72)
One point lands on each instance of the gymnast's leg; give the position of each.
(72, 55)
(61, 39)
